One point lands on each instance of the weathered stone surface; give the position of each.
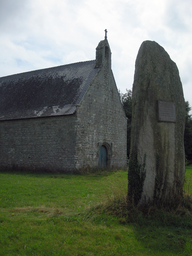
(157, 160)
(59, 140)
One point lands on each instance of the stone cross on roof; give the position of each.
(105, 33)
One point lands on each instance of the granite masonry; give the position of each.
(63, 118)
(157, 162)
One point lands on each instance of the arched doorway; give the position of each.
(102, 157)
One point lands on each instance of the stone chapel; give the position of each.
(63, 118)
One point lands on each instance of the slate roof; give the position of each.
(47, 92)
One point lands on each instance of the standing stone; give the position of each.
(157, 158)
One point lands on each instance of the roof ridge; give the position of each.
(46, 69)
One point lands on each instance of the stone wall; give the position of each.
(101, 121)
(72, 142)
(41, 143)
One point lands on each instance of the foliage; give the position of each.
(126, 100)
(188, 133)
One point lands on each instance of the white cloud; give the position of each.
(38, 34)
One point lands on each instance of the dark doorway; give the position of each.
(102, 157)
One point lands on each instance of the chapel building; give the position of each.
(63, 118)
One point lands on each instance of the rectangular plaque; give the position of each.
(166, 111)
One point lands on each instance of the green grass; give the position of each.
(50, 214)
(188, 180)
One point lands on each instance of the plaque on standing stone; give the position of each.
(166, 111)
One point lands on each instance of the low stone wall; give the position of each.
(40, 143)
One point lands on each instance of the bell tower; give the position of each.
(103, 53)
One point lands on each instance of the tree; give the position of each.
(188, 133)
(126, 100)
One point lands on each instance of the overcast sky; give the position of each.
(36, 34)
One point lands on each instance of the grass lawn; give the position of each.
(50, 214)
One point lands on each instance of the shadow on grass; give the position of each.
(158, 231)
(165, 232)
